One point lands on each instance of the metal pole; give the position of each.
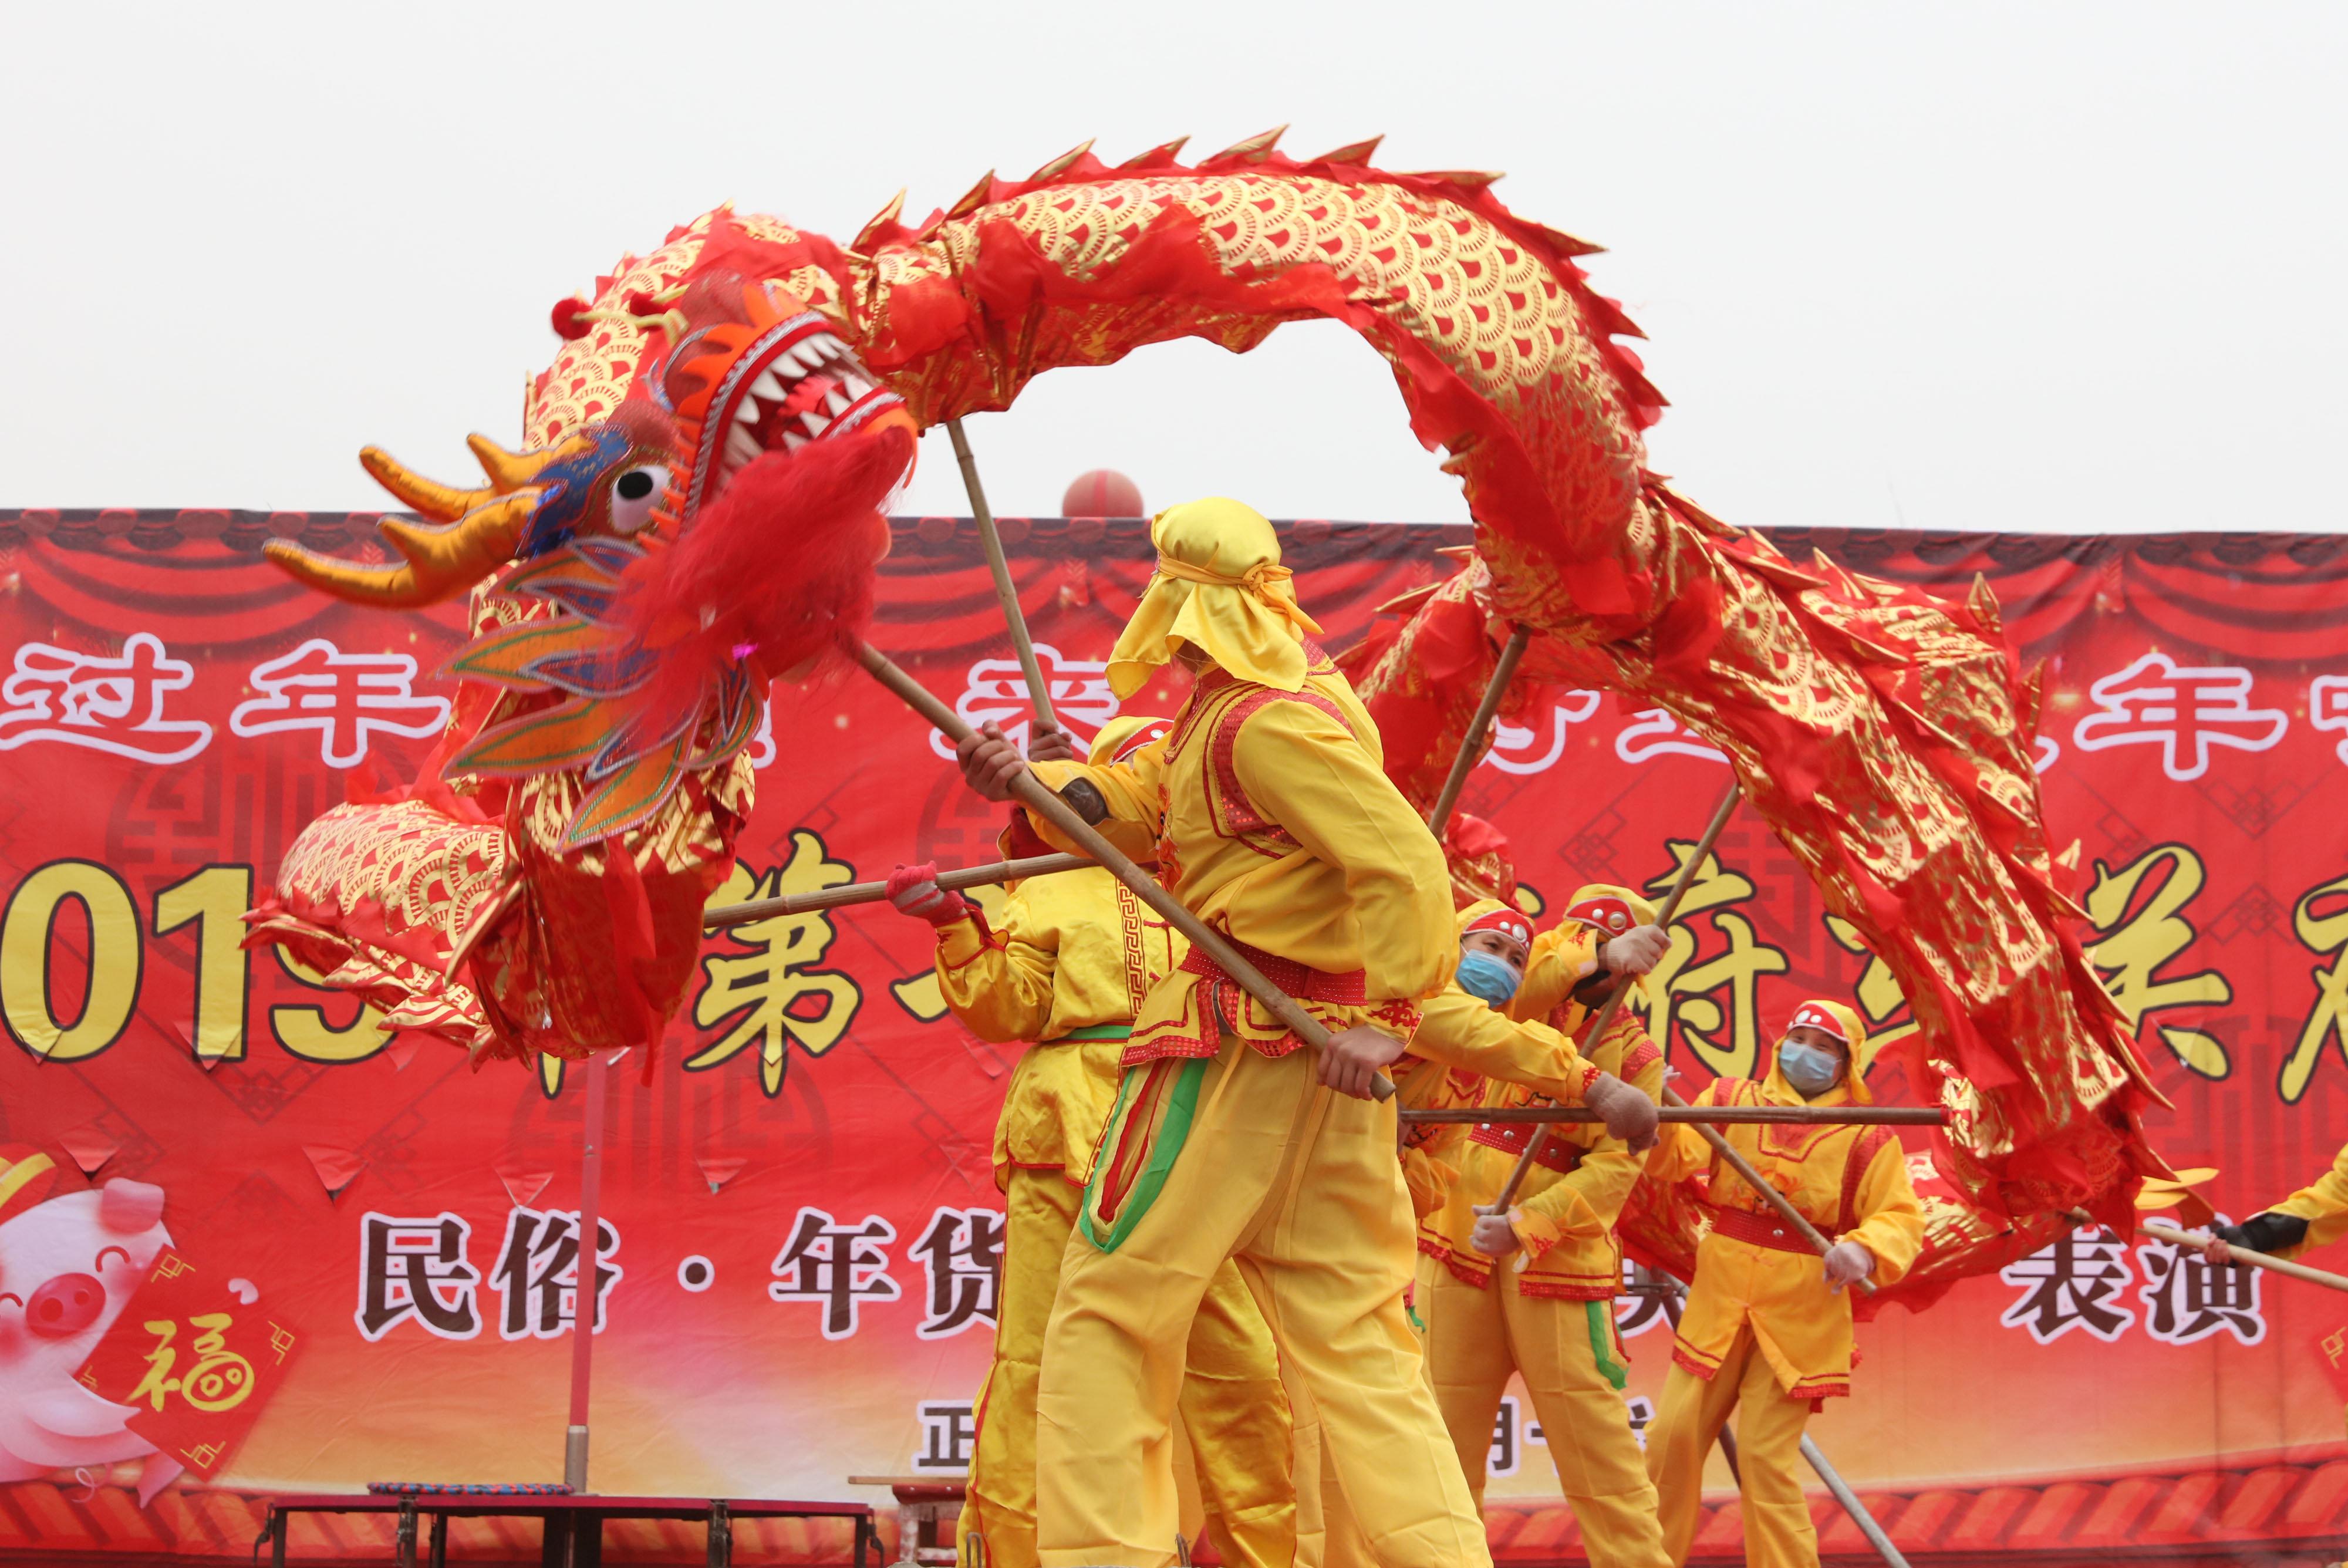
(1039, 691)
(582, 1297)
(1471, 749)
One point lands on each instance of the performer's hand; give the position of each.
(989, 762)
(914, 890)
(1847, 1261)
(2214, 1252)
(1351, 1063)
(1637, 950)
(1493, 1236)
(1628, 1113)
(1050, 746)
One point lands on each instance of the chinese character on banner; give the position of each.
(997, 690)
(417, 1268)
(2323, 931)
(1512, 745)
(962, 1251)
(345, 698)
(2186, 1298)
(827, 1262)
(1503, 1457)
(772, 994)
(195, 1356)
(1691, 992)
(762, 745)
(1877, 993)
(2069, 1284)
(949, 1433)
(2183, 710)
(106, 704)
(1647, 1300)
(1653, 732)
(2138, 932)
(2327, 708)
(537, 1272)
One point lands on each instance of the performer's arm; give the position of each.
(1681, 1151)
(1891, 1227)
(1304, 771)
(1588, 1199)
(2315, 1216)
(1121, 799)
(1464, 1032)
(999, 984)
(1553, 970)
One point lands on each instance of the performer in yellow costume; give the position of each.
(1768, 1330)
(2315, 1216)
(1532, 1292)
(1277, 826)
(1073, 957)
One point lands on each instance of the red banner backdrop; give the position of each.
(362, 1265)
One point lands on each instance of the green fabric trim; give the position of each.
(1601, 1344)
(1181, 1104)
(1095, 1032)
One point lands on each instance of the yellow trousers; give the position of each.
(1476, 1339)
(1778, 1529)
(1248, 1159)
(1231, 1402)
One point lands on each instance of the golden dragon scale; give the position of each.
(1882, 734)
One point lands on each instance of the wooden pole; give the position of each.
(1714, 1115)
(1030, 791)
(1720, 813)
(2177, 1238)
(872, 891)
(1039, 691)
(1471, 749)
(1754, 1178)
(583, 1296)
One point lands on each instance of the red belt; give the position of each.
(1559, 1154)
(1351, 989)
(1769, 1230)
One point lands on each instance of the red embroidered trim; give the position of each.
(1557, 1154)
(1863, 1150)
(1474, 1275)
(1240, 818)
(1823, 1389)
(1683, 1355)
(1636, 1062)
(1220, 999)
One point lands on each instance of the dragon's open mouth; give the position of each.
(796, 383)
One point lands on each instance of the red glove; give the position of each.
(914, 890)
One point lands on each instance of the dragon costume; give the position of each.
(1884, 734)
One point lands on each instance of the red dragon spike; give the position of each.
(1162, 155)
(883, 225)
(1352, 152)
(974, 198)
(1254, 150)
(1063, 163)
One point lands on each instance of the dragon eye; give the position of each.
(633, 495)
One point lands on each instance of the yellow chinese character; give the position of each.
(2327, 1016)
(776, 1001)
(2138, 933)
(158, 1384)
(1683, 987)
(221, 1380)
(1878, 992)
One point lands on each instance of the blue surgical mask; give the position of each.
(1490, 979)
(1809, 1069)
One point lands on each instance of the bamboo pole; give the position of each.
(1031, 792)
(1714, 1114)
(1471, 749)
(872, 891)
(2177, 1238)
(1711, 831)
(1776, 1200)
(1039, 691)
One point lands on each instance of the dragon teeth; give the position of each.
(835, 402)
(815, 423)
(746, 414)
(766, 386)
(741, 445)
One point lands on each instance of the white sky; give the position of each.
(2073, 267)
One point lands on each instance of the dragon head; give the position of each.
(753, 370)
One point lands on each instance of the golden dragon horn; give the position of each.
(438, 563)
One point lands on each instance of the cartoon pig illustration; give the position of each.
(67, 1268)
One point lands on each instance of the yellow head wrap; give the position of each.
(1220, 587)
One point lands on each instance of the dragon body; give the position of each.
(1884, 734)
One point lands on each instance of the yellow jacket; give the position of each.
(1851, 1182)
(1075, 953)
(2324, 1205)
(1565, 1211)
(1277, 827)
(1462, 1046)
